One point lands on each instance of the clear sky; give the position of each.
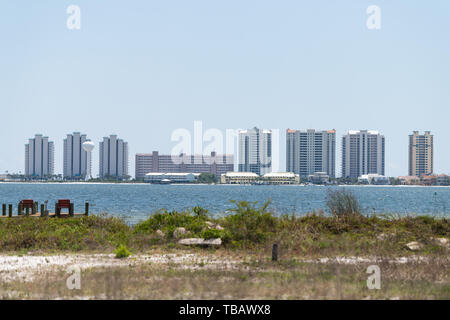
(142, 69)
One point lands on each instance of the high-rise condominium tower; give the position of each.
(113, 157)
(39, 157)
(310, 151)
(362, 153)
(420, 154)
(75, 158)
(255, 151)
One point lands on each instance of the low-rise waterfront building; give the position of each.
(281, 178)
(373, 179)
(443, 180)
(171, 177)
(428, 179)
(216, 164)
(319, 178)
(239, 178)
(409, 180)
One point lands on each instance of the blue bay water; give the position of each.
(135, 202)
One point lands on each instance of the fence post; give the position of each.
(86, 209)
(19, 208)
(275, 252)
(10, 207)
(4, 209)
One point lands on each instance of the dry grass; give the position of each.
(250, 279)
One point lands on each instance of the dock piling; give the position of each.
(4, 209)
(71, 210)
(275, 252)
(10, 207)
(86, 209)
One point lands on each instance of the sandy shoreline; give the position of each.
(26, 267)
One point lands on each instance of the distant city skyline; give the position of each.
(142, 69)
(308, 151)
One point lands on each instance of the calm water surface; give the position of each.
(135, 202)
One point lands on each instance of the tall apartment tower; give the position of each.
(310, 151)
(39, 157)
(113, 157)
(255, 151)
(362, 153)
(75, 158)
(420, 154)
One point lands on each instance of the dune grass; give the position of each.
(248, 226)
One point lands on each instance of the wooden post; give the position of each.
(71, 209)
(56, 210)
(86, 209)
(19, 209)
(34, 208)
(4, 209)
(10, 210)
(42, 210)
(27, 211)
(275, 252)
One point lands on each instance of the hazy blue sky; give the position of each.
(142, 69)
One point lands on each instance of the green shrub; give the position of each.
(342, 203)
(122, 252)
(250, 223)
(167, 221)
(211, 234)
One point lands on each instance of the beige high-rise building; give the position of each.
(420, 154)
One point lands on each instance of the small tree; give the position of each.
(343, 203)
(207, 178)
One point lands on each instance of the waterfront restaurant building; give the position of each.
(239, 178)
(281, 178)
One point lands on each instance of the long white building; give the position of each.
(39, 157)
(310, 151)
(113, 157)
(76, 163)
(362, 153)
(255, 151)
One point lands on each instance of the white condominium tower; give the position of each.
(255, 151)
(75, 158)
(310, 151)
(113, 157)
(362, 153)
(420, 154)
(39, 157)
